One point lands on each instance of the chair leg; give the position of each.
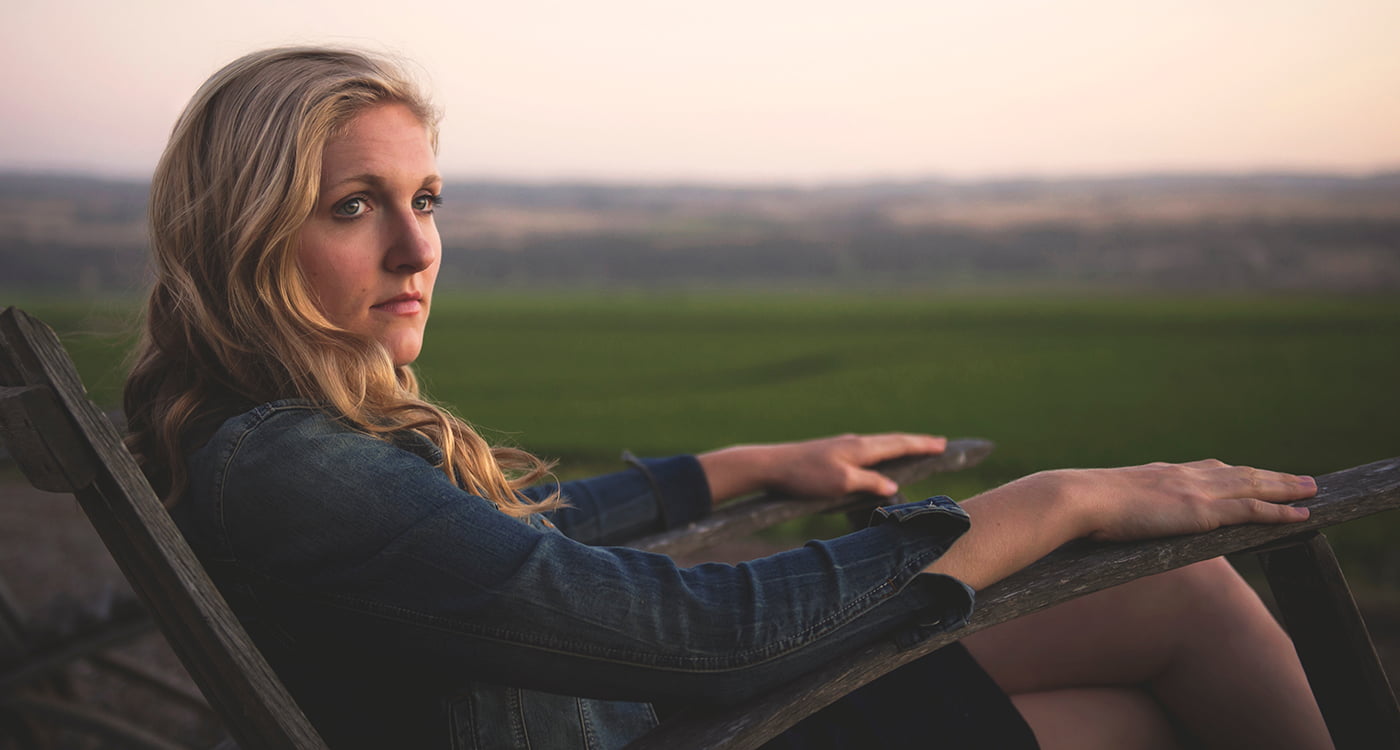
(1333, 644)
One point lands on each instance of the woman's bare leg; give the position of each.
(1196, 640)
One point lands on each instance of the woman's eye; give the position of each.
(350, 208)
(427, 203)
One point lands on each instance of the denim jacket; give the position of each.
(404, 612)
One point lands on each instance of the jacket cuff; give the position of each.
(942, 516)
(681, 489)
(946, 604)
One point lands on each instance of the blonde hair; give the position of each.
(230, 318)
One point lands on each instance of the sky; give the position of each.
(758, 91)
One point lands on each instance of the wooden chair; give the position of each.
(65, 444)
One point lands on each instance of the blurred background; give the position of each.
(1095, 233)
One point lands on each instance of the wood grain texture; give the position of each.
(156, 560)
(746, 516)
(1072, 571)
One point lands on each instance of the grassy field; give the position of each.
(1301, 384)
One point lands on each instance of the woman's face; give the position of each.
(370, 250)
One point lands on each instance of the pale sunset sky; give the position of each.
(758, 90)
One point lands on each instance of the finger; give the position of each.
(876, 448)
(874, 482)
(1271, 486)
(1253, 510)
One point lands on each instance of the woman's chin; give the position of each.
(404, 348)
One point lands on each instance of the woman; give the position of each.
(414, 590)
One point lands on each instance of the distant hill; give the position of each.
(1188, 231)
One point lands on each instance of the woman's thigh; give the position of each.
(1126, 635)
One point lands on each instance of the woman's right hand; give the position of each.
(1159, 499)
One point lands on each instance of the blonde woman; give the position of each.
(413, 589)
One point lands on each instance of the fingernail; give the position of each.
(1307, 481)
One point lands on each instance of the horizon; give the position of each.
(1382, 173)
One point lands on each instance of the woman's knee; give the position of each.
(1211, 602)
(1210, 587)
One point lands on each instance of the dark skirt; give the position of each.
(943, 700)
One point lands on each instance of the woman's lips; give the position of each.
(405, 304)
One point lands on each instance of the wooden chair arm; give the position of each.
(1074, 570)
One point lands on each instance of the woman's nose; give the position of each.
(413, 246)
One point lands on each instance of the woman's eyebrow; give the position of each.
(374, 180)
(366, 178)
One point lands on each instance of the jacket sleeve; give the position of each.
(357, 549)
(652, 495)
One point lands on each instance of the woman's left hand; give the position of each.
(828, 466)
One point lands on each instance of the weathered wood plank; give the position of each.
(155, 558)
(1333, 644)
(1070, 572)
(746, 516)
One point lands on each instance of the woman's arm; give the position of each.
(652, 495)
(1018, 523)
(656, 494)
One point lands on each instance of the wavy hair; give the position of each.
(231, 320)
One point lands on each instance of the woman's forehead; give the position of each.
(382, 141)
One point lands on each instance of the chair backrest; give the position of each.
(64, 443)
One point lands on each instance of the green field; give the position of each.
(1301, 384)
